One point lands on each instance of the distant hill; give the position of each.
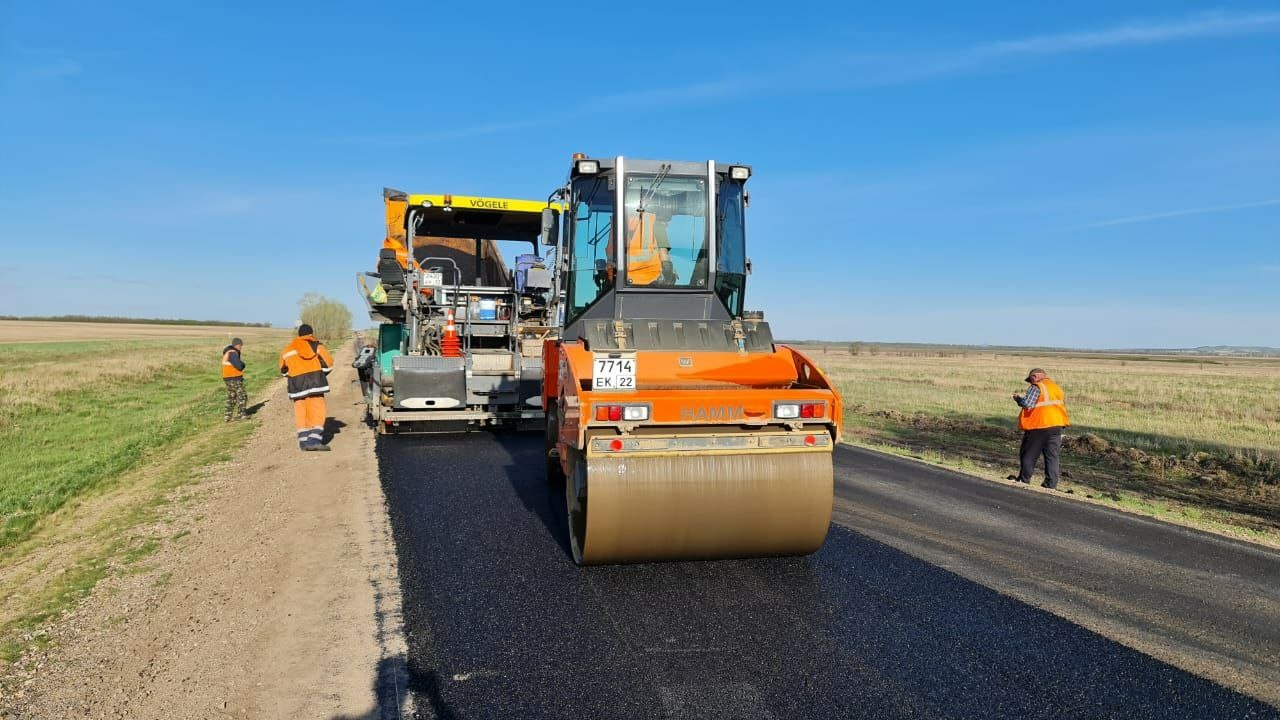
(128, 320)
(1252, 350)
(1203, 350)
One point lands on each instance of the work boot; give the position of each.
(317, 448)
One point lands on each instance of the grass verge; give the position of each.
(1232, 492)
(95, 437)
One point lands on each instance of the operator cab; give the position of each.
(677, 252)
(479, 257)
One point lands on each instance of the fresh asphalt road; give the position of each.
(935, 595)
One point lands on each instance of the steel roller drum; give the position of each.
(698, 506)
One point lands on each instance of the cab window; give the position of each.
(591, 267)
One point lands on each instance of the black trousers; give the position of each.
(1047, 442)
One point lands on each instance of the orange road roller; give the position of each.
(679, 429)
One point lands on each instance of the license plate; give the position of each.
(432, 279)
(613, 373)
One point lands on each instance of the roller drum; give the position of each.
(698, 506)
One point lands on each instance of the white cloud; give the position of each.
(38, 63)
(1207, 25)
(60, 68)
(868, 71)
(1180, 213)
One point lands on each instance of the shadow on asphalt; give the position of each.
(545, 501)
(500, 623)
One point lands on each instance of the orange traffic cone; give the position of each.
(450, 344)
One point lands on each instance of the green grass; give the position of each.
(93, 426)
(81, 419)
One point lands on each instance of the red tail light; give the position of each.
(609, 413)
(813, 410)
(634, 412)
(616, 445)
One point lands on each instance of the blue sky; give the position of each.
(1091, 174)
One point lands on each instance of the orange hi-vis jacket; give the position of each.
(1049, 411)
(232, 365)
(307, 364)
(644, 262)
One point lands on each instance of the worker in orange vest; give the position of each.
(233, 378)
(307, 363)
(1043, 416)
(649, 250)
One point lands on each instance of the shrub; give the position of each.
(330, 318)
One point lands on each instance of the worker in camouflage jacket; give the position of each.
(233, 378)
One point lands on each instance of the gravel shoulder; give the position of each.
(275, 594)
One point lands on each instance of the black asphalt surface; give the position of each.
(1200, 601)
(501, 623)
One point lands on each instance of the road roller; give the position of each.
(679, 429)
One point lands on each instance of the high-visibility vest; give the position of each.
(307, 364)
(228, 369)
(644, 264)
(1049, 411)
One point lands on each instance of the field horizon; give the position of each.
(872, 346)
(1189, 439)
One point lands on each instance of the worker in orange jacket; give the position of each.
(1042, 419)
(649, 250)
(307, 363)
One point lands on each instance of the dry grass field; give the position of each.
(29, 331)
(119, 416)
(1194, 439)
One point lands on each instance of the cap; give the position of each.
(1034, 371)
(305, 329)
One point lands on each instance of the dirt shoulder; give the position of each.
(273, 594)
(1230, 494)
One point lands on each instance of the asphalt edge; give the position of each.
(1208, 533)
